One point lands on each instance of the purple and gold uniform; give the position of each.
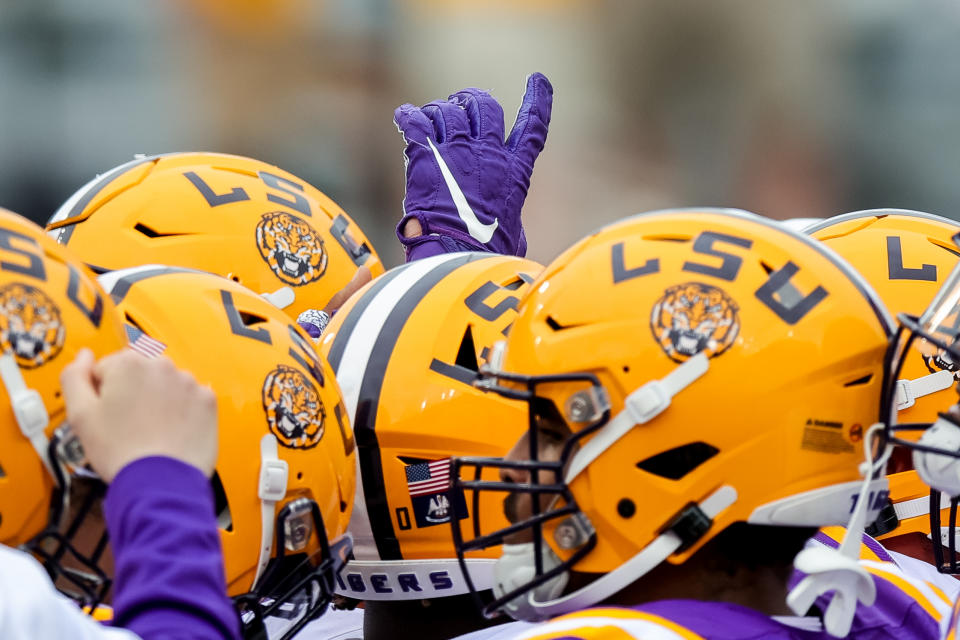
(905, 609)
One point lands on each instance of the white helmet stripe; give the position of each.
(359, 358)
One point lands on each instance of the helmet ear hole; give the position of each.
(675, 463)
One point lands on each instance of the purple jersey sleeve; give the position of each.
(433, 245)
(169, 575)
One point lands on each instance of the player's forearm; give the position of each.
(169, 565)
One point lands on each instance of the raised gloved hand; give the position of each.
(465, 184)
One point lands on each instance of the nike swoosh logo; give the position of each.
(476, 229)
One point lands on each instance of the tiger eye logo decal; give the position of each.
(694, 318)
(291, 247)
(30, 325)
(295, 413)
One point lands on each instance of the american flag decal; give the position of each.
(427, 484)
(428, 477)
(142, 343)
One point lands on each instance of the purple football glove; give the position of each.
(465, 184)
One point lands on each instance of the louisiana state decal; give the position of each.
(694, 318)
(30, 325)
(291, 247)
(294, 410)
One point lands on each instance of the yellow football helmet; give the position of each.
(906, 257)
(237, 217)
(406, 350)
(692, 369)
(284, 479)
(50, 308)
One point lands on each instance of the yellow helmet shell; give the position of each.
(268, 380)
(51, 307)
(406, 350)
(237, 217)
(905, 255)
(795, 340)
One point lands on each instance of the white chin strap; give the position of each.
(918, 507)
(526, 607)
(28, 408)
(272, 488)
(640, 407)
(838, 572)
(907, 391)
(945, 536)
(515, 566)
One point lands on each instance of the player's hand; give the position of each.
(464, 181)
(126, 406)
(314, 321)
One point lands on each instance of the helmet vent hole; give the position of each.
(220, 505)
(944, 246)
(251, 318)
(3, 474)
(626, 508)
(518, 282)
(667, 238)
(626, 369)
(97, 270)
(556, 326)
(133, 322)
(863, 380)
(151, 233)
(679, 461)
(299, 475)
(467, 354)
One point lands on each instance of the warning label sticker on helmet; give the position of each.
(825, 436)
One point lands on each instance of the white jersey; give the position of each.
(926, 571)
(334, 624)
(31, 609)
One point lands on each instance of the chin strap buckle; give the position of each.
(640, 407)
(907, 391)
(272, 488)
(28, 408)
(652, 399)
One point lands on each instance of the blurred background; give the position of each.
(789, 109)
